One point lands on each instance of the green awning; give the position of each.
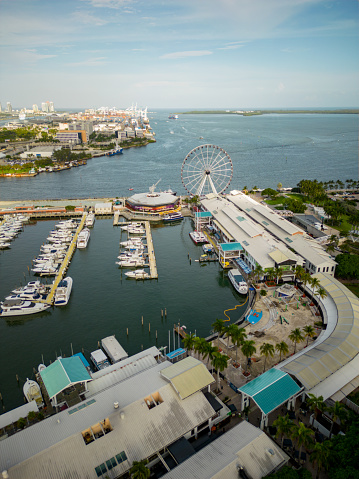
(63, 373)
(271, 389)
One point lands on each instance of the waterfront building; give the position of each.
(153, 203)
(35, 108)
(144, 416)
(72, 136)
(82, 125)
(103, 208)
(259, 247)
(8, 107)
(267, 239)
(40, 152)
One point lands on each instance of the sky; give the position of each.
(236, 54)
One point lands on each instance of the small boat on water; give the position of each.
(131, 262)
(132, 241)
(83, 238)
(99, 359)
(32, 392)
(63, 292)
(237, 280)
(20, 307)
(208, 248)
(172, 217)
(198, 237)
(90, 219)
(137, 274)
(131, 225)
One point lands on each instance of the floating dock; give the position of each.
(65, 264)
(180, 331)
(151, 251)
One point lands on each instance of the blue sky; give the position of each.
(180, 53)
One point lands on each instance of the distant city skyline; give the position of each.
(180, 53)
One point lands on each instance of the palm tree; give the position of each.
(218, 327)
(270, 272)
(314, 283)
(296, 337)
(320, 455)
(299, 271)
(220, 362)
(282, 348)
(230, 330)
(209, 352)
(238, 336)
(303, 435)
(258, 272)
(305, 278)
(266, 349)
(316, 403)
(309, 332)
(248, 349)
(188, 342)
(278, 272)
(284, 426)
(322, 294)
(337, 411)
(200, 345)
(139, 470)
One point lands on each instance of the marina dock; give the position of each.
(65, 264)
(151, 252)
(180, 331)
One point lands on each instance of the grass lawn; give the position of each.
(297, 196)
(344, 226)
(354, 288)
(276, 201)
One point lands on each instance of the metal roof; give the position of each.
(54, 448)
(63, 373)
(203, 214)
(244, 444)
(188, 376)
(336, 347)
(230, 246)
(113, 348)
(270, 389)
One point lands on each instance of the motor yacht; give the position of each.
(83, 238)
(21, 307)
(63, 292)
(237, 280)
(137, 274)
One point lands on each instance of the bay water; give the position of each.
(265, 150)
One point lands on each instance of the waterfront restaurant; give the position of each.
(155, 203)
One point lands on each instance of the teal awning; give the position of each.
(63, 373)
(230, 246)
(203, 214)
(271, 389)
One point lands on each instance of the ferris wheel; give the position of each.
(206, 169)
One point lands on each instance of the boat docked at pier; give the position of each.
(99, 359)
(137, 274)
(83, 238)
(198, 237)
(237, 280)
(131, 262)
(63, 291)
(32, 392)
(90, 220)
(20, 307)
(172, 217)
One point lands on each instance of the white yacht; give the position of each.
(20, 307)
(137, 274)
(32, 392)
(131, 262)
(83, 238)
(90, 219)
(198, 237)
(237, 280)
(63, 292)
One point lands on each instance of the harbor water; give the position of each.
(104, 302)
(265, 150)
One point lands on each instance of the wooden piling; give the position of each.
(149, 327)
(127, 331)
(142, 320)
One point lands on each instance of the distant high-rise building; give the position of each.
(8, 107)
(0, 108)
(35, 108)
(51, 108)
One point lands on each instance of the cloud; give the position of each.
(231, 46)
(88, 19)
(90, 62)
(193, 53)
(280, 87)
(109, 3)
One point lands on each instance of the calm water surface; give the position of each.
(264, 149)
(105, 302)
